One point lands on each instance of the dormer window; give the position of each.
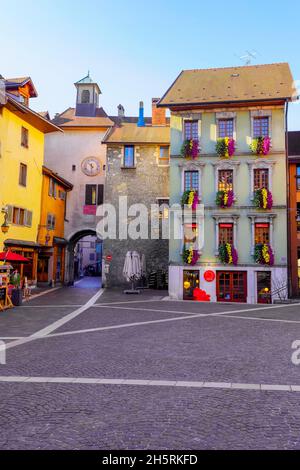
(85, 97)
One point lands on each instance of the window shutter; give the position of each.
(9, 214)
(100, 194)
(88, 194)
(53, 222)
(49, 221)
(28, 218)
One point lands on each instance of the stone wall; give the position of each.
(145, 183)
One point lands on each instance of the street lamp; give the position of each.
(4, 226)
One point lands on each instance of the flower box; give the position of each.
(263, 254)
(263, 199)
(190, 256)
(190, 198)
(261, 145)
(190, 148)
(228, 254)
(225, 198)
(225, 147)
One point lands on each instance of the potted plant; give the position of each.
(263, 254)
(260, 145)
(190, 198)
(225, 147)
(225, 198)
(190, 148)
(228, 254)
(190, 256)
(263, 199)
(16, 296)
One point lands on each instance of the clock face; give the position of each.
(91, 166)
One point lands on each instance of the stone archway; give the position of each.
(69, 276)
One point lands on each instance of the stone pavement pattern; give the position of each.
(245, 347)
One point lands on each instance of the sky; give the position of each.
(135, 49)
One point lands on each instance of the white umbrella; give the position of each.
(136, 263)
(127, 269)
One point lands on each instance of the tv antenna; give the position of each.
(248, 57)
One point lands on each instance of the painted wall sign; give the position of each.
(209, 275)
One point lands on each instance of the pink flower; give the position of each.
(195, 257)
(269, 200)
(231, 147)
(195, 201)
(234, 256)
(195, 148)
(266, 145)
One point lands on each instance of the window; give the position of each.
(260, 127)
(225, 180)
(225, 127)
(163, 208)
(24, 137)
(19, 216)
(50, 222)
(92, 256)
(73, 167)
(225, 233)
(85, 97)
(191, 180)
(298, 178)
(129, 156)
(94, 194)
(190, 236)
(62, 195)
(260, 178)
(52, 187)
(262, 233)
(23, 174)
(191, 130)
(164, 152)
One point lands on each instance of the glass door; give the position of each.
(190, 282)
(232, 286)
(264, 287)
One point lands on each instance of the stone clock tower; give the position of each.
(78, 155)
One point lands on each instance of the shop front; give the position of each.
(30, 251)
(251, 285)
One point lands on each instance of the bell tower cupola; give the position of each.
(87, 98)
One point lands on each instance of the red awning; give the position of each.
(12, 257)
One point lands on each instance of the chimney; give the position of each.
(141, 120)
(121, 111)
(158, 114)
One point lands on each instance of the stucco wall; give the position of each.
(71, 148)
(144, 184)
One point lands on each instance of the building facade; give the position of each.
(138, 172)
(294, 205)
(51, 239)
(79, 156)
(22, 134)
(228, 166)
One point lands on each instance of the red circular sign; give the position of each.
(209, 276)
(108, 257)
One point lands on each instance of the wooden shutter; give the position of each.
(9, 214)
(28, 218)
(100, 194)
(88, 194)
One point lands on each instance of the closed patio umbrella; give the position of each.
(132, 270)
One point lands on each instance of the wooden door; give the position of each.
(232, 286)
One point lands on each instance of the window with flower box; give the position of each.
(260, 178)
(260, 126)
(191, 180)
(191, 130)
(298, 177)
(225, 128)
(225, 180)
(225, 233)
(262, 233)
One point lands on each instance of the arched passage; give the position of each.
(72, 267)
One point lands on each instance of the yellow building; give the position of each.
(51, 257)
(21, 159)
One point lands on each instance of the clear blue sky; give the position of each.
(135, 49)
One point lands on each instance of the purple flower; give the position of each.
(266, 145)
(231, 147)
(271, 262)
(195, 148)
(195, 257)
(195, 201)
(234, 255)
(269, 200)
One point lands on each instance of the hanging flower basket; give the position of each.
(190, 198)
(225, 147)
(228, 254)
(190, 148)
(190, 256)
(263, 199)
(261, 145)
(263, 254)
(225, 198)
